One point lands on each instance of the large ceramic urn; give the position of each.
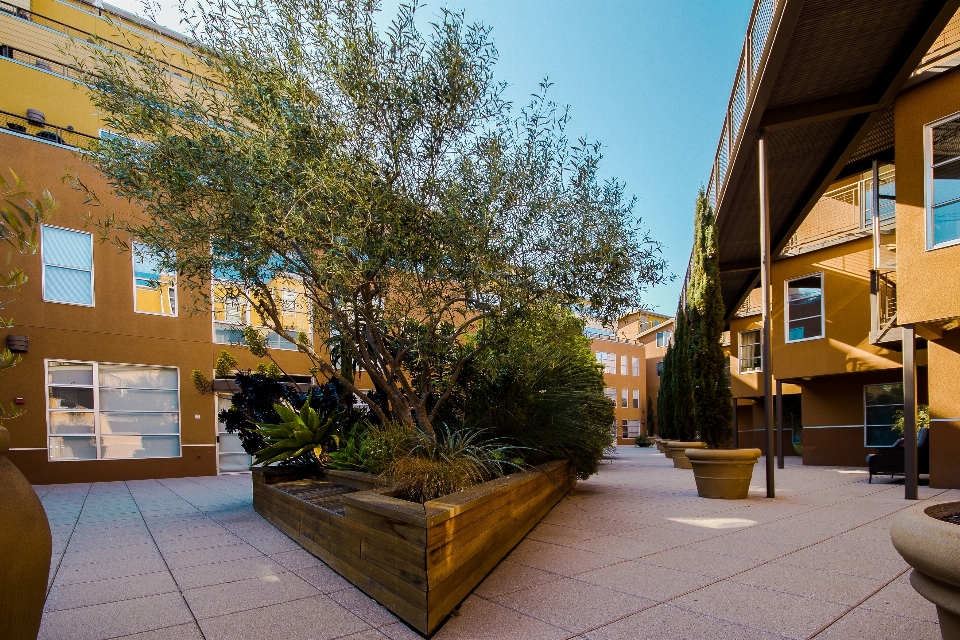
(678, 452)
(930, 543)
(723, 473)
(25, 547)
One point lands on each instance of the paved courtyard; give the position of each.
(631, 553)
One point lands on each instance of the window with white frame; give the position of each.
(942, 197)
(67, 265)
(154, 290)
(750, 351)
(663, 338)
(611, 394)
(659, 368)
(623, 365)
(102, 411)
(232, 313)
(881, 402)
(636, 366)
(636, 398)
(624, 398)
(804, 317)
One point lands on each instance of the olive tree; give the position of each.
(380, 168)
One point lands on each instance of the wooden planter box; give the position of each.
(419, 561)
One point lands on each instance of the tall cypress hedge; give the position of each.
(684, 424)
(665, 396)
(712, 408)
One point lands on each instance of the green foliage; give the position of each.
(380, 167)
(642, 441)
(298, 434)
(201, 383)
(712, 403)
(351, 452)
(684, 424)
(541, 389)
(225, 364)
(255, 341)
(454, 461)
(923, 419)
(665, 396)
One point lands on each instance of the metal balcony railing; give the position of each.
(40, 62)
(754, 45)
(51, 133)
(887, 298)
(80, 35)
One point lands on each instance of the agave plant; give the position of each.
(299, 434)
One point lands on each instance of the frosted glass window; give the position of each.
(155, 290)
(101, 411)
(67, 265)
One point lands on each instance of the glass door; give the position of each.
(230, 455)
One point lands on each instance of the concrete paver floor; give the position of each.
(630, 553)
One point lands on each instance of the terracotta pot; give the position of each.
(678, 453)
(932, 548)
(25, 547)
(665, 448)
(723, 473)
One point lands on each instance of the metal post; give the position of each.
(874, 274)
(910, 490)
(736, 426)
(766, 363)
(780, 429)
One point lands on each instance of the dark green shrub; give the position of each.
(541, 389)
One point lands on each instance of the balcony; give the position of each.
(24, 127)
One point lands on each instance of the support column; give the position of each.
(911, 478)
(765, 306)
(780, 429)
(875, 226)
(736, 426)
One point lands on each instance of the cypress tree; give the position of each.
(711, 396)
(665, 396)
(684, 425)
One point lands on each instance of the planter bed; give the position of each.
(418, 560)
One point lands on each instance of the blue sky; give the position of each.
(650, 79)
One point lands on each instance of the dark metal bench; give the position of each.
(890, 461)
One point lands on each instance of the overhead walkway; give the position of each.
(817, 80)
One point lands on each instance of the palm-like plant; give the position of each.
(299, 434)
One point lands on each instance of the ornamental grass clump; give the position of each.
(422, 468)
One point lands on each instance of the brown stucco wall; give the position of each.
(928, 282)
(629, 381)
(944, 386)
(832, 414)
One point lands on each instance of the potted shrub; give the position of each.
(928, 538)
(642, 441)
(678, 452)
(719, 472)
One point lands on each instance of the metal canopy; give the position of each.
(819, 78)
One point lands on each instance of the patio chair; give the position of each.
(891, 461)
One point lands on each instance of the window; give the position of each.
(611, 394)
(231, 313)
(100, 411)
(67, 265)
(663, 338)
(942, 195)
(750, 351)
(624, 398)
(631, 428)
(608, 360)
(880, 405)
(659, 368)
(636, 366)
(804, 315)
(636, 398)
(154, 291)
(623, 365)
